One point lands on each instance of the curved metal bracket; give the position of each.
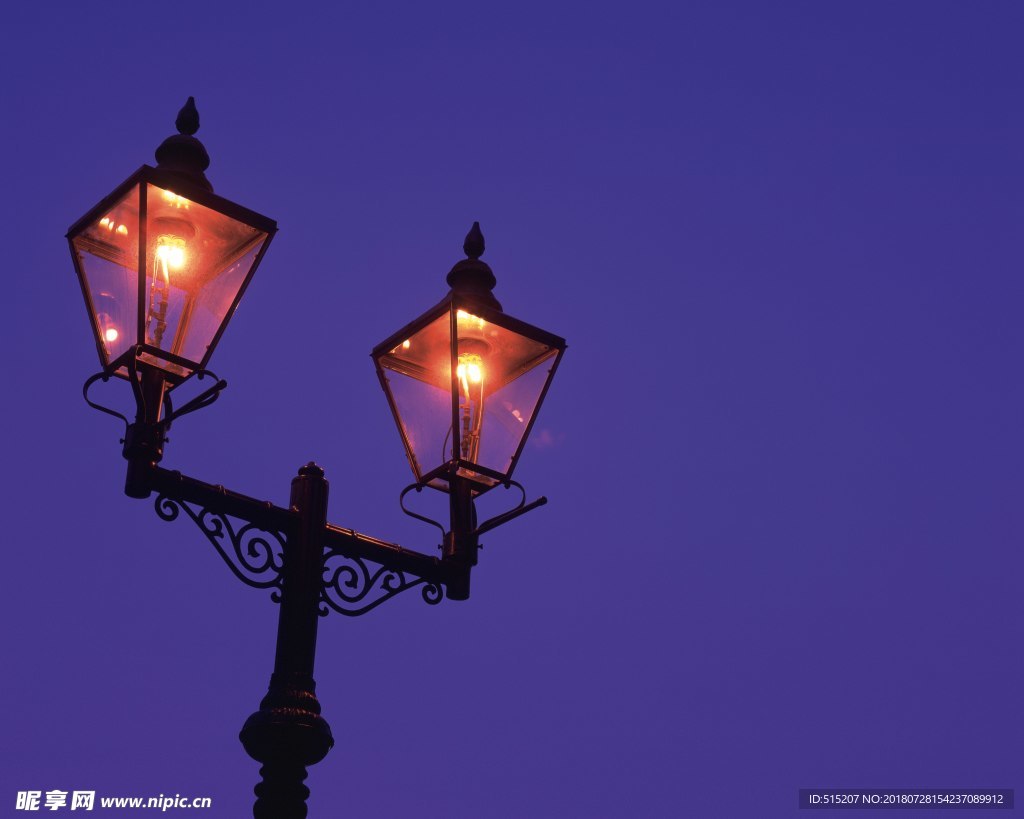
(493, 523)
(255, 555)
(104, 377)
(204, 399)
(352, 588)
(505, 517)
(401, 502)
(170, 414)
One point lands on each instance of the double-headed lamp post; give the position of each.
(163, 263)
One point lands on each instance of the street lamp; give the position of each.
(465, 381)
(163, 262)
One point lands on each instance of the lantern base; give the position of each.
(480, 478)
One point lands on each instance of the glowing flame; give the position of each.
(111, 225)
(111, 335)
(171, 251)
(469, 319)
(173, 199)
(471, 368)
(470, 372)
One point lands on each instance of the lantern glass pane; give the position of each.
(507, 415)
(426, 355)
(425, 414)
(197, 261)
(499, 382)
(418, 377)
(108, 257)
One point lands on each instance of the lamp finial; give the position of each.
(188, 118)
(474, 244)
(182, 153)
(472, 278)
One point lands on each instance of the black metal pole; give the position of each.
(144, 440)
(461, 543)
(288, 734)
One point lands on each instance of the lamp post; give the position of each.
(163, 262)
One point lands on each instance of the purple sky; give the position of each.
(783, 452)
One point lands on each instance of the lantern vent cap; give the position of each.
(182, 153)
(472, 278)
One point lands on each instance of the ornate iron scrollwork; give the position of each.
(351, 587)
(255, 555)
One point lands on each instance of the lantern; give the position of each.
(465, 381)
(163, 261)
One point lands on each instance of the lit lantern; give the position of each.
(465, 381)
(163, 261)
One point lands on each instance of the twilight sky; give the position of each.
(784, 450)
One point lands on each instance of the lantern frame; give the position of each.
(480, 477)
(180, 185)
